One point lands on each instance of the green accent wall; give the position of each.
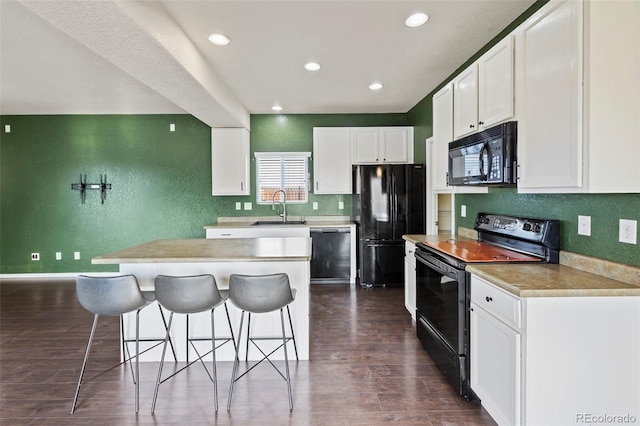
(161, 182)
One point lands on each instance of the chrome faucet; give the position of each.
(284, 204)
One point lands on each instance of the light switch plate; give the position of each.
(238, 205)
(463, 210)
(248, 205)
(58, 255)
(340, 205)
(76, 255)
(7, 128)
(315, 205)
(172, 127)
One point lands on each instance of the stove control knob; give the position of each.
(526, 226)
(537, 228)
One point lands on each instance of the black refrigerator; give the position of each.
(388, 202)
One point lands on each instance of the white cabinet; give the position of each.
(465, 103)
(484, 92)
(331, 160)
(410, 278)
(230, 161)
(495, 352)
(553, 360)
(374, 145)
(496, 84)
(578, 95)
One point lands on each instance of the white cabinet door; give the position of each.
(230, 161)
(395, 144)
(365, 141)
(442, 135)
(550, 98)
(465, 104)
(332, 160)
(496, 84)
(377, 145)
(495, 366)
(410, 278)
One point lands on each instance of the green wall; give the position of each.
(161, 182)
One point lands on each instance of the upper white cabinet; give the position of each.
(332, 160)
(484, 92)
(496, 82)
(230, 161)
(374, 145)
(442, 135)
(578, 95)
(465, 104)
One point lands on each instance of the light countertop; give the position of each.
(213, 250)
(309, 224)
(550, 280)
(568, 279)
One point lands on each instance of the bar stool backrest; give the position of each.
(109, 295)
(188, 294)
(260, 293)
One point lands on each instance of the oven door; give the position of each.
(441, 298)
(441, 320)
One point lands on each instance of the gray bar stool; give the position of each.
(261, 294)
(115, 296)
(190, 295)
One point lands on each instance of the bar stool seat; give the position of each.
(257, 294)
(116, 295)
(190, 295)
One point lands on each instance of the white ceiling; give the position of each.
(153, 57)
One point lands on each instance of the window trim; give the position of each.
(282, 156)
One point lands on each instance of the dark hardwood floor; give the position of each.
(366, 368)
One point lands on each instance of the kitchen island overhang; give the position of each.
(221, 258)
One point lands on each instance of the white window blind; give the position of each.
(287, 171)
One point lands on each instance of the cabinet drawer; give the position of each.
(496, 301)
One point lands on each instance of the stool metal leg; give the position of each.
(293, 336)
(164, 321)
(84, 363)
(286, 359)
(236, 361)
(213, 354)
(137, 359)
(164, 351)
(246, 354)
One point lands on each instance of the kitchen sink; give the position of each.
(279, 222)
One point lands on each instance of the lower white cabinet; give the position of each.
(410, 278)
(555, 360)
(495, 353)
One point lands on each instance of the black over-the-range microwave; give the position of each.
(485, 158)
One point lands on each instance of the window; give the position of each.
(287, 171)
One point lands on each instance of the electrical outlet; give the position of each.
(315, 205)
(584, 225)
(340, 205)
(463, 210)
(628, 231)
(58, 255)
(35, 256)
(76, 255)
(238, 205)
(248, 205)
(7, 128)
(172, 127)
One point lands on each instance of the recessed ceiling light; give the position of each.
(276, 108)
(375, 86)
(219, 39)
(312, 66)
(416, 20)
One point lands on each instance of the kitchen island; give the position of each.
(220, 258)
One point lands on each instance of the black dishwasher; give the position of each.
(330, 255)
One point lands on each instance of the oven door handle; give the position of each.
(436, 264)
